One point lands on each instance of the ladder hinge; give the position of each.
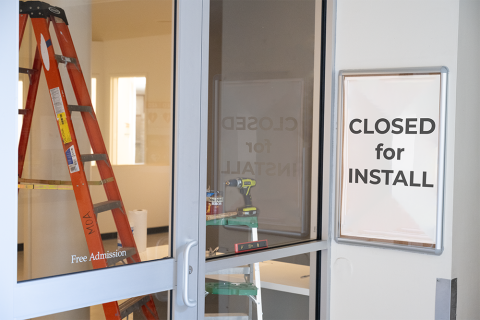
(66, 60)
(27, 71)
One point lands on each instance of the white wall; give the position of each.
(149, 57)
(369, 283)
(141, 186)
(466, 218)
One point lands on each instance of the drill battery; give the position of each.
(247, 211)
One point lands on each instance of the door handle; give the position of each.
(186, 271)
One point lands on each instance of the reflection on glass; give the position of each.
(153, 306)
(261, 108)
(274, 289)
(129, 52)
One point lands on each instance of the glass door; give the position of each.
(262, 228)
(130, 96)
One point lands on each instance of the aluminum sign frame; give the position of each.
(437, 249)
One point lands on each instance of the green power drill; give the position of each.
(244, 185)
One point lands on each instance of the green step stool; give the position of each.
(226, 288)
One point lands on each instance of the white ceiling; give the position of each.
(124, 19)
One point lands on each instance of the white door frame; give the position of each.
(312, 246)
(8, 125)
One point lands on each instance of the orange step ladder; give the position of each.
(41, 14)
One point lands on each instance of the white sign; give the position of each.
(392, 158)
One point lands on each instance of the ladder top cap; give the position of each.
(40, 9)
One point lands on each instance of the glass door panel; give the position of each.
(131, 309)
(263, 116)
(263, 167)
(125, 50)
(141, 68)
(277, 289)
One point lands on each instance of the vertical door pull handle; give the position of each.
(186, 271)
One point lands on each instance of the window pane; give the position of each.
(140, 308)
(126, 57)
(280, 289)
(264, 121)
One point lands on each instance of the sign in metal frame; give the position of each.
(437, 246)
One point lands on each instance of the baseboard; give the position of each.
(113, 235)
(157, 230)
(154, 230)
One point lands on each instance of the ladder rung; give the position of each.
(80, 108)
(26, 70)
(88, 109)
(114, 260)
(104, 181)
(63, 59)
(55, 184)
(44, 187)
(132, 305)
(22, 111)
(107, 205)
(93, 157)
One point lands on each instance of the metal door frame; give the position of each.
(318, 249)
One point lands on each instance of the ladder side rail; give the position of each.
(78, 178)
(22, 24)
(251, 280)
(28, 116)
(111, 310)
(149, 310)
(31, 97)
(95, 135)
(256, 271)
